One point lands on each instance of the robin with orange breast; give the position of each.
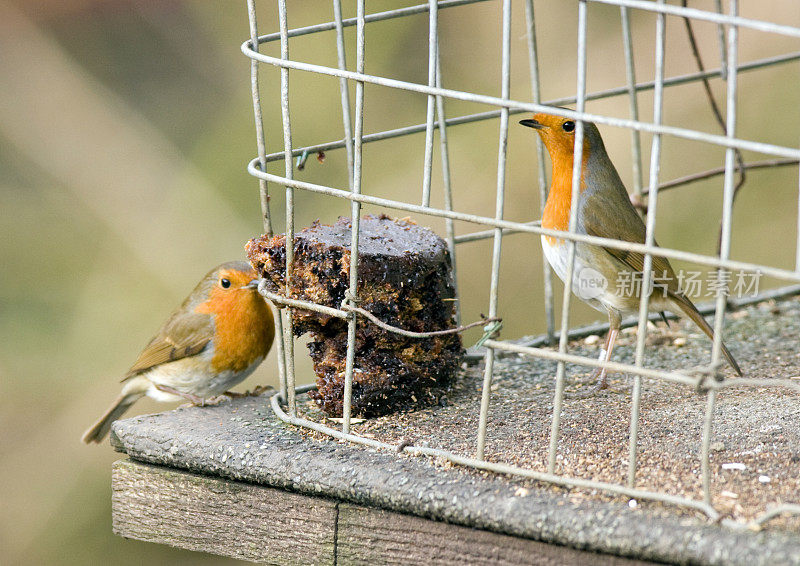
(213, 341)
(604, 210)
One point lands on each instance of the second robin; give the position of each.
(604, 210)
(213, 341)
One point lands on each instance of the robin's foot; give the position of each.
(193, 399)
(591, 392)
(234, 394)
(600, 379)
(216, 400)
(258, 390)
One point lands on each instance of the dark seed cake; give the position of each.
(404, 279)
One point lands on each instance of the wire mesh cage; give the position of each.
(726, 24)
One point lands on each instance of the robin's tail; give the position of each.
(688, 308)
(132, 392)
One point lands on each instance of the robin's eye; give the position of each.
(224, 283)
(568, 126)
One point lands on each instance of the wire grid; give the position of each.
(354, 138)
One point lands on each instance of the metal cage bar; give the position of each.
(341, 60)
(630, 73)
(577, 163)
(723, 50)
(370, 18)
(650, 235)
(262, 183)
(446, 180)
(547, 272)
(696, 14)
(797, 235)
(502, 147)
(433, 49)
(355, 212)
(725, 243)
(288, 333)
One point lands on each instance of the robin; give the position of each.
(214, 340)
(604, 210)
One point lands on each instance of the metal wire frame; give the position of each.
(547, 273)
(558, 401)
(599, 95)
(352, 322)
(655, 160)
(262, 183)
(729, 68)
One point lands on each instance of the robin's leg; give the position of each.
(599, 375)
(193, 399)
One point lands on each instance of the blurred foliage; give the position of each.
(124, 133)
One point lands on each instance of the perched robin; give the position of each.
(604, 210)
(213, 341)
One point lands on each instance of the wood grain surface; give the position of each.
(273, 526)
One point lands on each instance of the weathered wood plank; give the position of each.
(374, 536)
(251, 522)
(261, 524)
(243, 440)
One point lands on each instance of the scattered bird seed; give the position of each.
(341, 420)
(591, 340)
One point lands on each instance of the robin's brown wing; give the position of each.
(608, 214)
(182, 336)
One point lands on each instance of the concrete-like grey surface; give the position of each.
(241, 439)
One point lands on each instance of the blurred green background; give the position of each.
(125, 128)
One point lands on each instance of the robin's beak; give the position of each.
(253, 284)
(532, 124)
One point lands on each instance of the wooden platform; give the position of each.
(261, 524)
(234, 480)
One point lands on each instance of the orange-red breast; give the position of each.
(213, 341)
(605, 210)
